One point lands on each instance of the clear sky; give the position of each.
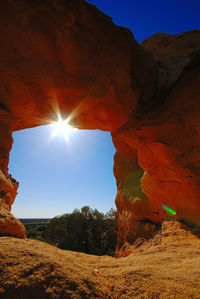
(146, 17)
(59, 176)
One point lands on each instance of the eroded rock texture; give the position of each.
(165, 135)
(33, 269)
(68, 56)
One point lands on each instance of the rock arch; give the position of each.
(68, 55)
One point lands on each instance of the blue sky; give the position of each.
(57, 176)
(146, 17)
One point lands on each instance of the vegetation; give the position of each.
(84, 230)
(35, 227)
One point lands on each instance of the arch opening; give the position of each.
(65, 180)
(60, 175)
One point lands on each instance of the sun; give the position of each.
(62, 127)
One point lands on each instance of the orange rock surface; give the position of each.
(157, 269)
(68, 56)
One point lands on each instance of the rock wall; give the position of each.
(9, 225)
(163, 141)
(68, 57)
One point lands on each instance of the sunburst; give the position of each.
(62, 127)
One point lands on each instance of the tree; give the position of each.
(84, 230)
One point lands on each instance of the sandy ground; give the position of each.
(166, 267)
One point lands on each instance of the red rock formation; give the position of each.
(69, 56)
(163, 139)
(9, 225)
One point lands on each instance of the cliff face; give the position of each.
(160, 148)
(68, 56)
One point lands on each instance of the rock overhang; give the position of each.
(69, 56)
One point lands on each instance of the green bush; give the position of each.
(84, 230)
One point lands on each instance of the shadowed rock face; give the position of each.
(68, 56)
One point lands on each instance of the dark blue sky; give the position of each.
(59, 176)
(146, 17)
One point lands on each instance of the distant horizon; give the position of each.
(23, 218)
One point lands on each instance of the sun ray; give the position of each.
(62, 127)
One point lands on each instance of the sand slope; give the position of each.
(166, 267)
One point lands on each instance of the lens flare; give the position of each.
(62, 127)
(170, 211)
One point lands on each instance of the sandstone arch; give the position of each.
(68, 55)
